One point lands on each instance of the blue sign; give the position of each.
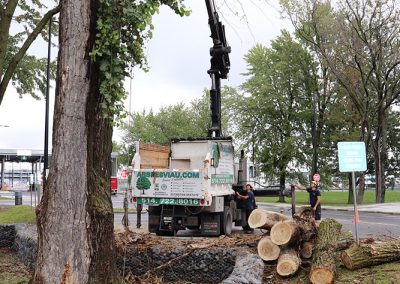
(352, 157)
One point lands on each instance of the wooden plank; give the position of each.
(154, 156)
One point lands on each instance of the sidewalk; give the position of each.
(386, 208)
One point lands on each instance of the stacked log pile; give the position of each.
(289, 241)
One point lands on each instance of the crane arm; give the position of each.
(220, 65)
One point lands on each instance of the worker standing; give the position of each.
(250, 205)
(314, 198)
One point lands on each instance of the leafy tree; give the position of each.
(276, 104)
(362, 53)
(26, 71)
(99, 41)
(174, 121)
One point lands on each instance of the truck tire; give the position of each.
(226, 222)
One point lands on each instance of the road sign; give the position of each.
(352, 156)
(124, 174)
(316, 177)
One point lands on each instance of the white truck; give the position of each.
(188, 185)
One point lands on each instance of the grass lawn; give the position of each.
(6, 198)
(334, 198)
(17, 214)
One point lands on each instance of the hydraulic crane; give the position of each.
(219, 69)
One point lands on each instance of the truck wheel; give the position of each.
(226, 223)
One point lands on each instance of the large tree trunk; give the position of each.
(75, 218)
(379, 154)
(260, 218)
(361, 189)
(370, 254)
(282, 179)
(323, 265)
(350, 198)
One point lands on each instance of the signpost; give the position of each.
(352, 158)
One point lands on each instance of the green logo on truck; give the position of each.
(143, 183)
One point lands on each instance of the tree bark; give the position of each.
(367, 255)
(288, 263)
(306, 250)
(75, 218)
(285, 232)
(267, 250)
(361, 189)
(307, 227)
(323, 264)
(260, 218)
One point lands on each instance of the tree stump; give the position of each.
(306, 250)
(286, 232)
(267, 250)
(260, 218)
(288, 263)
(323, 264)
(370, 254)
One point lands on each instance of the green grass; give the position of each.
(17, 214)
(5, 198)
(334, 198)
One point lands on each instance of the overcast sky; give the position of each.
(178, 58)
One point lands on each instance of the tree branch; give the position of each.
(21, 53)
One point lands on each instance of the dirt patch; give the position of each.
(12, 271)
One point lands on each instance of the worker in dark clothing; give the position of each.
(250, 205)
(314, 198)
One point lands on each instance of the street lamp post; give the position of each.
(46, 123)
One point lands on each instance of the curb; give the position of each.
(325, 208)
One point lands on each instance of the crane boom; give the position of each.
(219, 69)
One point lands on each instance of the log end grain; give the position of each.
(321, 276)
(257, 218)
(288, 263)
(346, 260)
(306, 250)
(281, 233)
(267, 250)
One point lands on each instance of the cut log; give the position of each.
(367, 255)
(267, 250)
(346, 239)
(307, 227)
(286, 232)
(306, 250)
(288, 263)
(265, 219)
(323, 264)
(305, 212)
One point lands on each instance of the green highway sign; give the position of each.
(352, 156)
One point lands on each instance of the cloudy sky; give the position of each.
(178, 58)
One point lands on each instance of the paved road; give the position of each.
(376, 224)
(371, 224)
